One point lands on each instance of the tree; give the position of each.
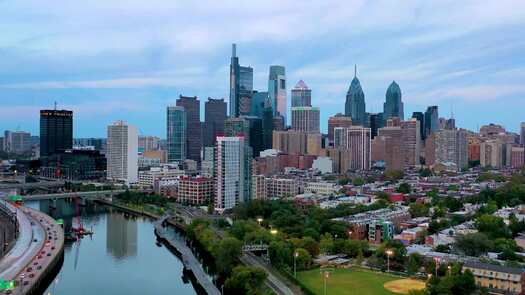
(226, 253)
(397, 259)
(474, 244)
(415, 262)
(304, 259)
(281, 253)
(404, 188)
(394, 175)
(425, 172)
(419, 209)
(358, 181)
(326, 244)
(310, 245)
(493, 226)
(245, 280)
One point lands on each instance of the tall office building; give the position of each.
(176, 131)
(411, 139)
(277, 90)
(339, 120)
(267, 125)
(393, 106)
(301, 95)
(230, 169)
(375, 122)
(355, 102)
(522, 133)
(296, 142)
(421, 118)
(248, 127)
(259, 99)
(56, 131)
(241, 86)
(451, 148)
(431, 120)
(214, 117)
(17, 142)
(306, 119)
(122, 153)
(191, 106)
(388, 146)
(357, 139)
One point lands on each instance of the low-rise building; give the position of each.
(322, 188)
(497, 278)
(195, 190)
(149, 177)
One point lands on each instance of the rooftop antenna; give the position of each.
(355, 70)
(55, 105)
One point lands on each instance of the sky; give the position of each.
(129, 59)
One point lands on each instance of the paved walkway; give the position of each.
(188, 259)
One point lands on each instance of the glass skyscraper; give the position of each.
(355, 102)
(277, 90)
(393, 106)
(241, 86)
(56, 131)
(258, 100)
(176, 134)
(431, 120)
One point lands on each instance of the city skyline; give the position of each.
(133, 74)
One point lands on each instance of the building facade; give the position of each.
(393, 106)
(195, 191)
(339, 120)
(357, 139)
(301, 95)
(191, 106)
(230, 167)
(122, 153)
(17, 142)
(277, 91)
(176, 131)
(355, 102)
(56, 131)
(306, 119)
(215, 113)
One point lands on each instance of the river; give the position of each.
(122, 256)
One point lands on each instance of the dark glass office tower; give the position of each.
(376, 122)
(431, 120)
(355, 102)
(241, 86)
(393, 106)
(214, 117)
(191, 106)
(267, 125)
(421, 118)
(56, 131)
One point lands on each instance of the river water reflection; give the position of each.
(122, 256)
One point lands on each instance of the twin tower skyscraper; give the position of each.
(355, 106)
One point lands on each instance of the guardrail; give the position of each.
(9, 231)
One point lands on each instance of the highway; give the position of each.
(271, 281)
(87, 195)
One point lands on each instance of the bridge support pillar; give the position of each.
(83, 202)
(53, 203)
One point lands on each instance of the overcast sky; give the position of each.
(129, 59)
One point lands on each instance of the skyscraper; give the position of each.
(451, 148)
(357, 139)
(301, 95)
(214, 117)
(267, 124)
(421, 118)
(191, 106)
(277, 90)
(306, 119)
(411, 142)
(56, 131)
(258, 101)
(431, 120)
(230, 169)
(122, 153)
(241, 86)
(176, 134)
(375, 122)
(339, 120)
(393, 106)
(355, 102)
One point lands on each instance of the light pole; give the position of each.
(388, 252)
(259, 220)
(326, 274)
(295, 255)
(449, 270)
(437, 262)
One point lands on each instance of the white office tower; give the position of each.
(230, 169)
(122, 153)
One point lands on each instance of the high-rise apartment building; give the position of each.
(491, 154)
(214, 117)
(355, 102)
(357, 139)
(451, 148)
(230, 169)
(388, 146)
(517, 157)
(176, 131)
(191, 106)
(277, 90)
(306, 119)
(122, 155)
(301, 95)
(411, 140)
(393, 106)
(17, 142)
(296, 142)
(56, 131)
(339, 120)
(431, 120)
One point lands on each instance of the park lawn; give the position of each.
(347, 281)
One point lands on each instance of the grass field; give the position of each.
(353, 281)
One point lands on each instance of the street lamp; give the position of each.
(273, 231)
(259, 220)
(350, 234)
(295, 255)
(389, 253)
(449, 270)
(326, 275)
(437, 262)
